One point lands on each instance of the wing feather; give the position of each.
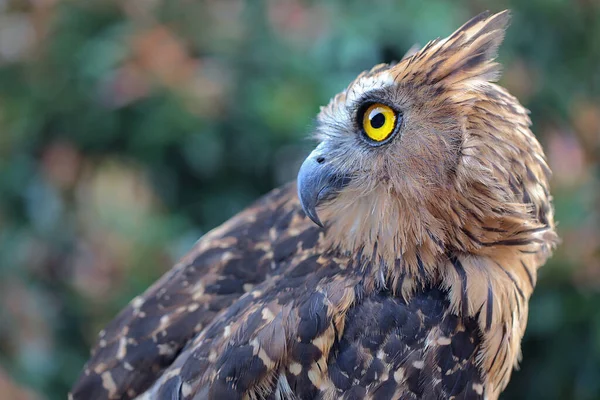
(148, 335)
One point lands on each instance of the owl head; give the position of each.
(429, 154)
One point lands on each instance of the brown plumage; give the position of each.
(416, 287)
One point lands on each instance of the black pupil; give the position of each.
(378, 120)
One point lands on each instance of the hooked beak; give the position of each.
(317, 182)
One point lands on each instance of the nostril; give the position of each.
(321, 160)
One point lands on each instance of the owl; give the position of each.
(399, 265)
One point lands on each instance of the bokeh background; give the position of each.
(130, 128)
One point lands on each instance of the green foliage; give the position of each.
(128, 129)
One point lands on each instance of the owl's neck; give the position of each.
(414, 237)
(388, 230)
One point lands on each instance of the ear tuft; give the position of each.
(414, 49)
(492, 28)
(468, 53)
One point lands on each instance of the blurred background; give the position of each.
(129, 129)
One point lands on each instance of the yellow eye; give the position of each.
(379, 122)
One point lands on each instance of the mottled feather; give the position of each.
(418, 286)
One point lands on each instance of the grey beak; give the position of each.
(317, 182)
